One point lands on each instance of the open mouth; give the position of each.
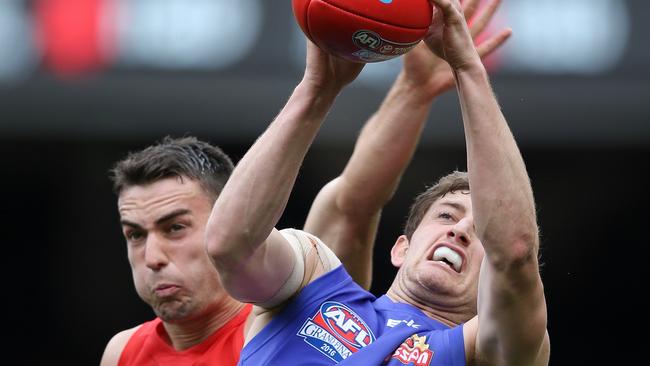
(449, 257)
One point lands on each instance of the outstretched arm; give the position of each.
(253, 259)
(346, 212)
(511, 325)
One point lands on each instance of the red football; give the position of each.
(364, 30)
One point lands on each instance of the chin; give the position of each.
(438, 283)
(173, 312)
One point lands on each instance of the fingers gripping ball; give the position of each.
(364, 30)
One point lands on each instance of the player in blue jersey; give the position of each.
(344, 219)
(457, 244)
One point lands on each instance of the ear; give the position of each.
(398, 253)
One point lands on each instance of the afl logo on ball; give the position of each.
(367, 40)
(372, 47)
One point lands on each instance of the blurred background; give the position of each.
(82, 82)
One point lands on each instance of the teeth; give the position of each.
(448, 254)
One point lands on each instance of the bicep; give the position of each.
(258, 277)
(285, 263)
(312, 259)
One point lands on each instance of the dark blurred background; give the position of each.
(82, 82)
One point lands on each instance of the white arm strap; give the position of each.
(302, 244)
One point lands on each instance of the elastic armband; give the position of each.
(302, 244)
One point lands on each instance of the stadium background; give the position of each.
(82, 82)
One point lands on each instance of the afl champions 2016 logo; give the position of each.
(374, 48)
(336, 331)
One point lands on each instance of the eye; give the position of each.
(445, 216)
(176, 228)
(134, 235)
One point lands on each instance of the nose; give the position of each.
(154, 254)
(460, 232)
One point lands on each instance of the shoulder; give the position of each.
(307, 247)
(313, 259)
(116, 345)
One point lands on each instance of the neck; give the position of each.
(194, 330)
(448, 313)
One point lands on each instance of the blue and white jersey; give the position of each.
(333, 320)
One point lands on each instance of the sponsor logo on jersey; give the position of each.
(392, 323)
(372, 47)
(414, 351)
(336, 331)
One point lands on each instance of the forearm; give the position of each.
(346, 211)
(255, 196)
(511, 309)
(502, 198)
(384, 149)
(513, 316)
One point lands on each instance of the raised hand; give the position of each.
(430, 73)
(450, 37)
(327, 72)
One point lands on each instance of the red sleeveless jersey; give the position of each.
(147, 345)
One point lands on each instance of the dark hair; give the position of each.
(450, 183)
(174, 157)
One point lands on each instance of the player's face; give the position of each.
(164, 225)
(443, 259)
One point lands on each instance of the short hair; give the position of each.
(174, 157)
(450, 183)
